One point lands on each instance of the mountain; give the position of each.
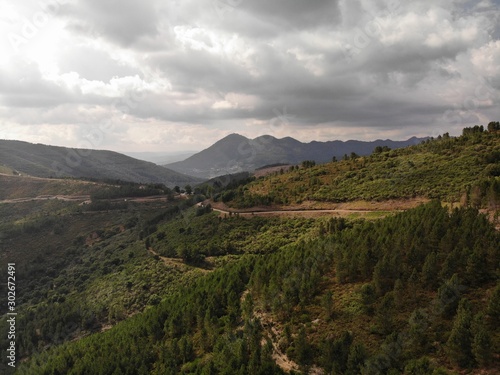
(168, 286)
(51, 161)
(453, 169)
(236, 153)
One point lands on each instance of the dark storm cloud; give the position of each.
(386, 64)
(284, 16)
(123, 21)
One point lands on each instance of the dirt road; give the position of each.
(68, 198)
(85, 198)
(308, 213)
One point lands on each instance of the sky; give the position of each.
(178, 75)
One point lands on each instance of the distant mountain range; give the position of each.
(51, 161)
(236, 153)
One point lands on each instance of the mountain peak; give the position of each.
(233, 137)
(236, 153)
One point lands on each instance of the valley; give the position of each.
(378, 264)
(250, 187)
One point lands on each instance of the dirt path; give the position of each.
(86, 198)
(359, 205)
(67, 198)
(305, 213)
(274, 335)
(167, 261)
(176, 262)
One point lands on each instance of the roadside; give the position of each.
(310, 209)
(359, 205)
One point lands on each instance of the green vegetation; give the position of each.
(349, 301)
(7, 170)
(85, 271)
(81, 272)
(236, 152)
(214, 187)
(56, 162)
(195, 236)
(464, 169)
(14, 187)
(129, 189)
(171, 286)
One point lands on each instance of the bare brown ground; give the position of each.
(360, 205)
(176, 262)
(266, 171)
(167, 261)
(86, 199)
(273, 334)
(312, 209)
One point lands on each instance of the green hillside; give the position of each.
(169, 286)
(50, 161)
(460, 169)
(394, 296)
(14, 187)
(235, 153)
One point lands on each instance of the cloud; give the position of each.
(93, 64)
(122, 21)
(22, 85)
(190, 71)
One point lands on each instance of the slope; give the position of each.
(15, 187)
(236, 153)
(360, 298)
(465, 169)
(51, 161)
(415, 293)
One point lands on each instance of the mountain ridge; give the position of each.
(41, 160)
(236, 153)
(454, 169)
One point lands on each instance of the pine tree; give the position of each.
(382, 276)
(327, 303)
(430, 271)
(448, 296)
(368, 297)
(418, 327)
(494, 305)
(481, 343)
(420, 366)
(477, 267)
(302, 347)
(459, 344)
(356, 359)
(385, 314)
(398, 293)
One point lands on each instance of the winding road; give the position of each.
(68, 198)
(304, 212)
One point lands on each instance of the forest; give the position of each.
(413, 293)
(461, 169)
(175, 287)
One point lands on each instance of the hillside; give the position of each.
(50, 161)
(171, 286)
(351, 298)
(465, 169)
(17, 187)
(236, 153)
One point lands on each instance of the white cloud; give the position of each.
(185, 73)
(486, 59)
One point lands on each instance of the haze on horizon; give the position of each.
(180, 75)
